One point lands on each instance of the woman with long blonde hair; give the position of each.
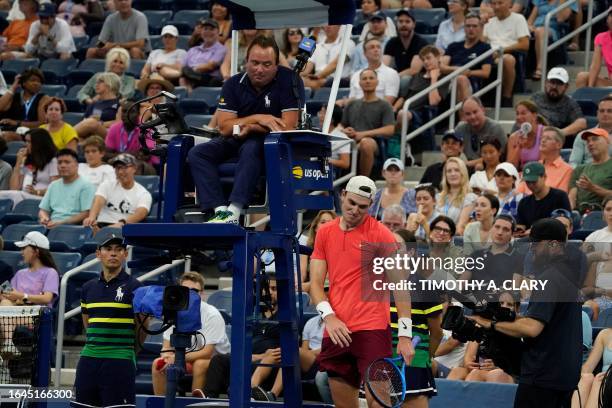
(456, 200)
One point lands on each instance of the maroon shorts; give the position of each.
(350, 363)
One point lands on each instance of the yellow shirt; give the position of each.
(62, 137)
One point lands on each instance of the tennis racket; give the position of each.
(386, 380)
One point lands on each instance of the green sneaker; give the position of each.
(224, 217)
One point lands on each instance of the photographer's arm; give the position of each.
(521, 327)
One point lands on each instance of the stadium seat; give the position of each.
(85, 70)
(190, 17)
(26, 210)
(580, 234)
(197, 120)
(10, 156)
(136, 67)
(73, 118)
(151, 183)
(13, 259)
(428, 20)
(6, 205)
(458, 241)
(180, 91)
(322, 94)
(146, 4)
(430, 38)
(55, 70)
(66, 261)
(81, 42)
(11, 68)
(69, 238)
(593, 221)
(191, 106)
(604, 319)
(156, 42)
(588, 98)
(221, 299)
(54, 90)
(183, 42)
(72, 103)
(210, 95)
(565, 154)
(15, 232)
(157, 19)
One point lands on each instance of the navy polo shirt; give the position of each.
(238, 95)
(111, 327)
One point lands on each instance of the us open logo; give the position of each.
(299, 172)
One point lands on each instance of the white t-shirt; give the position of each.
(480, 181)
(455, 357)
(601, 235)
(388, 83)
(338, 146)
(506, 32)
(162, 57)
(313, 332)
(42, 177)
(97, 175)
(121, 202)
(326, 52)
(213, 330)
(59, 39)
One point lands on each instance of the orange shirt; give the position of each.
(350, 290)
(558, 174)
(17, 32)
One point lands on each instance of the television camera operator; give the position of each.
(551, 327)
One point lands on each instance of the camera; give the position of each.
(175, 305)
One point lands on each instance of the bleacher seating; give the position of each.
(11, 68)
(55, 70)
(587, 98)
(69, 238)
(151, 183)
(85, 70)
(136, 67)
(593, 221)
(191, 17)
(26, 210)
(197, 120)
(6, 206)
(604, 319)
(157, 19)
(222, 300)
(428, 20)
(10, 156)
(66, 261)
(210, 95)
(15, 232)
(191, 106)
(54, 90)
(73, 118)
(13, 258)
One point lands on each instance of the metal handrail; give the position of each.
(405, 150)
(584, 27)
(62, 315)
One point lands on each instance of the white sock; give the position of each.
(234, 208)
(220, 208)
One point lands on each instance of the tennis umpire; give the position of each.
(106, 372)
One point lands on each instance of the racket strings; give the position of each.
(385, 382)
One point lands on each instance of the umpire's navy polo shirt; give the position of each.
(238, 95)
(111, 325)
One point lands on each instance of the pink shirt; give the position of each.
(37, 282)
(604, 40)
(122, 141)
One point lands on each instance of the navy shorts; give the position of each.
(104, 382)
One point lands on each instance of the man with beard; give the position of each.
(561, 110)
(378, 26)
(551, 327)
(452, 146)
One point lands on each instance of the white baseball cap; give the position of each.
(508, 168)
(362, 186)
(35, 239)
(170, 29)
(559, 74)
(393, 162)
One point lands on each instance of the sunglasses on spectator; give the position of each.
(294, 32)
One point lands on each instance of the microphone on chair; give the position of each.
(525, 129)
(305, 50)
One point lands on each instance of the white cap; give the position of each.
(170, 29)
(362, 186)
(393, 162)
(35, 239)
(508, 168)
(559, 74)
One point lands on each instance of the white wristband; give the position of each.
(324, 309)
(404, 327)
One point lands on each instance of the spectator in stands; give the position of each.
(77, 13)
(590, 383)
(388, 79)
(475, 128)
(481, 367)
(394, 217)
(243, 106)
(506, 178)
(442, 231)
(461, 53)
(117, 62)
(201, 65)
(221, 15)
(418, 222)
(214, 341)
(24, 108)
(542, 202)
(102, 112)
(456, 200)
(552, 330)
(558, 172)
(591, 182)
(121, 201)
(35, 168)
(95, 170)
(167, 61)
(245, 37)
(126, 28)
(452, 146)
(524, 148)
(5, 168)
(560, 109)
(536, 26)
(370, 8)
(67, 200)
(580, 154)
(508, 30)
(602, 52)
(195, 38)
(378, 28)
(368, 121)
(291, 40)
(484, 180)
(320, 69)
(450, 354)
(451, 30)
(394, 191)
(16, 33)
(113, 332)
(429, 75)
(322, 217)
(478, 234)
(37, 284)
(566, 218)
(486, 11)
(62, 133)
(402, 52)
(341, 150)
(49, 37)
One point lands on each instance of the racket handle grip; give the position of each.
(415, 341)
